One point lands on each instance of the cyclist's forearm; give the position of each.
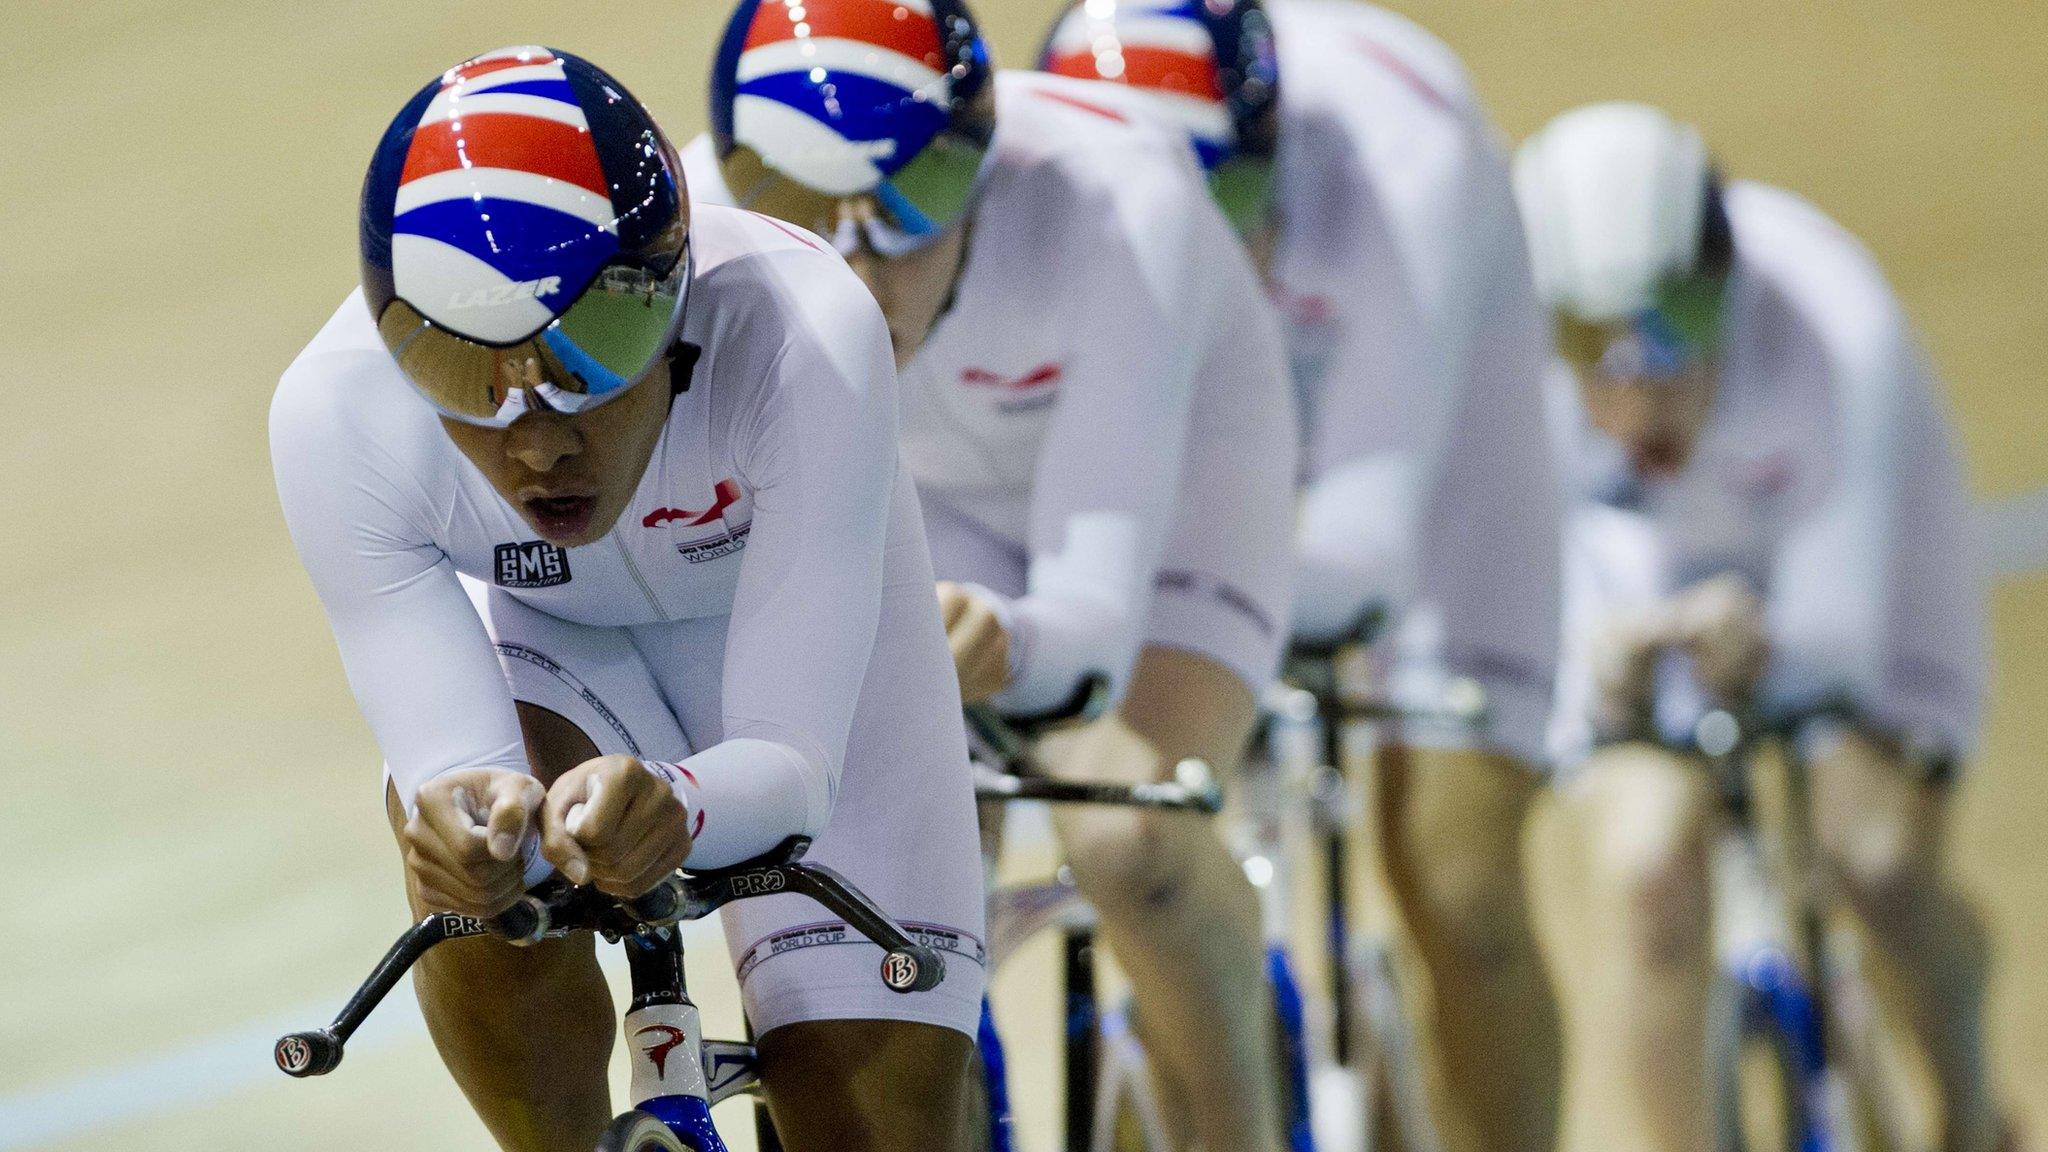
(745, 795)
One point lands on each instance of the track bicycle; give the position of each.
(1368, 1072)
(677, 1073)
(1790, 999)
(1105, 1076)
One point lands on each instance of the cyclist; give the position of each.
(1764, 487)
(645, 454)
(1348, 146)
(1095, 408)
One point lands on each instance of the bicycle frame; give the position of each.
(1769, 918)
(1318, 725)
(1103, 1058)
(670, 1077)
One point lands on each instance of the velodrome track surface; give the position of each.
(191, 823)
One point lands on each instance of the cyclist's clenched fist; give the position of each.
(1719, 622)
(612, 823)
(462, 844)
(980, 643)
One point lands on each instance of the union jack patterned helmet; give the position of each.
(524, 237)
(1204, 67)
(815, 103)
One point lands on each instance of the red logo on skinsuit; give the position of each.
(1770, 477)
(1305, 308)
(1404, 72)
(1039, 377)
(659, 1050)
(726, 491)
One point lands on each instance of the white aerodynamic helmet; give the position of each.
(1621, 202)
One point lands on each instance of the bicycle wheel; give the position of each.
(636, 1131)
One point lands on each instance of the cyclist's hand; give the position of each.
(1720, 623)
(1624, 661)
(981, 649)
(462, 844)
(612, 823)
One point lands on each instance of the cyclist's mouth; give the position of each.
(561, 518)
(1660, 458)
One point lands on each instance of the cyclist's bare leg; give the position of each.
(525, 1032)
(1882, 834)
(860, 1085)
(1175, 906)
(1454, 856)
(1621, 855)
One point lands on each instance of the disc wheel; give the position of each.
(637, 1131)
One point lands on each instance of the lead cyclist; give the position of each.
(1349, 148)
(1764, 488)
(1095, 407)
(577, 473)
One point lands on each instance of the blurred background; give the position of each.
(191, 821)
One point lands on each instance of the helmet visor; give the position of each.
(1678, 333)
(905, 211)
(1242, 186)
(615, 333)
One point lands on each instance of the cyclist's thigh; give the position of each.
(591, 677)
(902, 828)
(1222, 586)
(1459, 819)
(1440, 642)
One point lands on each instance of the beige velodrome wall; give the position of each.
(190, 801)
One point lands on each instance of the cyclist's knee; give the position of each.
(1126, 860)
(1458, 846)
(1648, 838)
(1891, 888)
(1478, 914)
(868, 1084)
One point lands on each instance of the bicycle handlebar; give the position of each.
(1461, 704)
(1194, 791)
(555, 908)
(1010, 736)
(1364, 629)
(1006, 740)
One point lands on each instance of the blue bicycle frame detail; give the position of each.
(1776, 997)
(689, 1118)
(997, 1078)
(1082, 1018)
(1294, 1047)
